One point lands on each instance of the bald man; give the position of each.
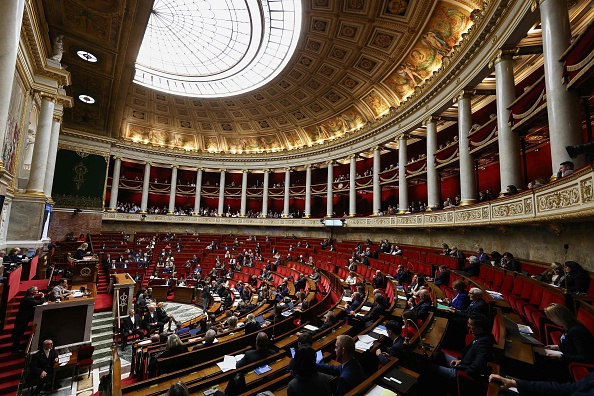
(423, 307)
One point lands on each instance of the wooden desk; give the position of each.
(514, 347)
(71, 364)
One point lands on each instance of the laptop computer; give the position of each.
(512, 328)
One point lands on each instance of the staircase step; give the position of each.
(9, 387)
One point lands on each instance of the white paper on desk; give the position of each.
(547, 352)
(310, 327)
(145, 342)
(524, 329)
(216, 299)
(365, 309)
(347, 299)
(239, 356)
(380, 391)
(379, 331)
(228, 363)
(402, 297)
(362, 346)
(366, 339)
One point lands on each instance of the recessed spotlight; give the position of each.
(85, 55)
(86, 99)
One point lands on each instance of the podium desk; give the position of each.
(67, 322)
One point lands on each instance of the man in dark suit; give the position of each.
(378, 309)
(396, 347)
(423, 307)
(131, 325)
(349, 373)
(378, 281)
(261, 351)
(151, 320)
(443, 276)
(42, 365)
(473, 360)
(329, 322)
(25, 314)
(473, 268)
(300, 283)
(477, 305)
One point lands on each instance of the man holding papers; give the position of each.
(394, 333)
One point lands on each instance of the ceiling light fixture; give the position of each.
(86, 99)
(85, 55)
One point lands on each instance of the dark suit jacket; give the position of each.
(173, 351)
(127, 323)
(349, 376)
(443, 278)
(252, 327)
(578, 344)
(40, 363)
(300, 284)
(472, 269)
(583, 387)
(375, 313)
(395, 350)
(27, 309)
(478, 306)
(379, 282)
(148, 320)
(422, 309)
(323, 327)
(477, 354)
(252, 356)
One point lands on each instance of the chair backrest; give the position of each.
(85, 352)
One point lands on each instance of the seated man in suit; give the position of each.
(349, 372)
(378, 281)
(261, 351)
(131, 325)
(396, 347)
(378, 309)
(457, 325)
(473, 360)
(151, 320)
(60, 291)
(423, 307)
(42, 365)
(329, 322)
(443, 276)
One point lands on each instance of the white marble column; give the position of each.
(353, 186)
(221, 208)
(562, 105)
(198, 191)
(244, 182)
(287, 196)
(52, 155)
(329, 192)
(402, 183)
(36, 183)
(115, 184)
(307, 211)
(432, 176)
(510, 169)
(145, 187)
(377, 188)
(467, 178)
(265, 193)
(172, 190)
(11, 20)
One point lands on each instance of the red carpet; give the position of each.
(103, 303)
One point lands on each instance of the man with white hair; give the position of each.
(473, 268)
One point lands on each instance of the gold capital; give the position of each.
(429, 120)
(48, 96)
(501, 54)
(465, 93)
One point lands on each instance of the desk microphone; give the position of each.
(421, 338)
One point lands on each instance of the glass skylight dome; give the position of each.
(217, 48)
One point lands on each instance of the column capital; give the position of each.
(57, 118)
(330, 162)
(222, 170)
(430, 120)
(502, 53)
(149, 163)
(350, 157)
(245, 171)
(117, 157)
(404, 136)
(267, 170)
(288, 169)
(174, 166)
(465, 93)
(376, 148)
(535, 4)
(309, 166)
(46, 95)
(199, 169)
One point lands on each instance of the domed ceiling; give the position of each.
(354, 61)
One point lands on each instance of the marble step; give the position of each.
(95, 338)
